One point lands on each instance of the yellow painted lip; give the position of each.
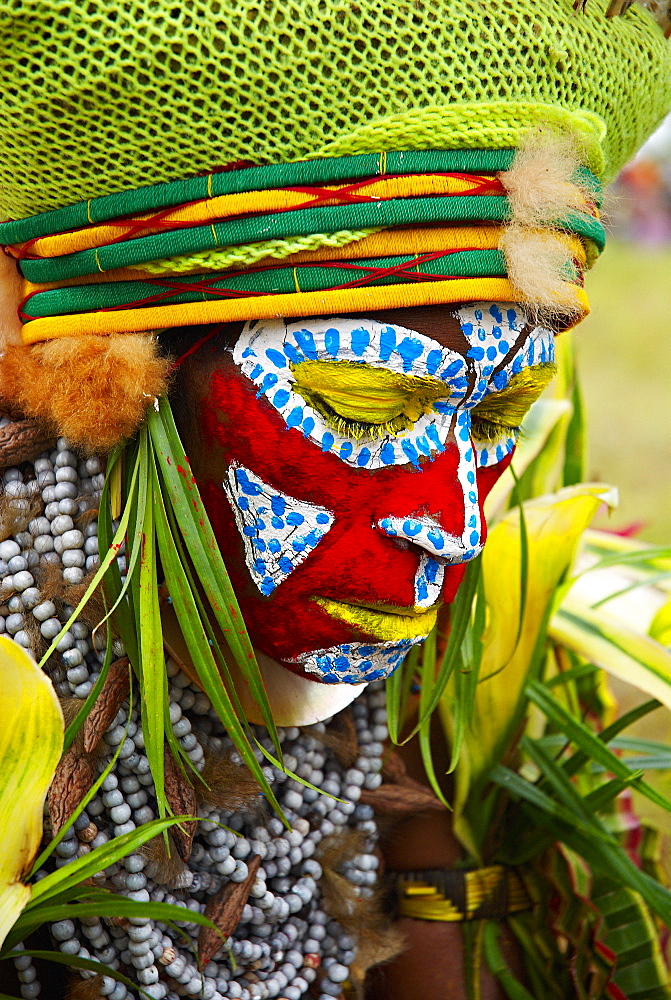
(390, 625)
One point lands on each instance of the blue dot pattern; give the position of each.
(356, 662)
(429, 581)
(278, 531)
(267, 350)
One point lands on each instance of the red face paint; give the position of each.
(355, 562)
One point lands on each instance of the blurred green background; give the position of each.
(624, 357)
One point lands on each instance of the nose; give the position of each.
(426, 533)
(438, 546)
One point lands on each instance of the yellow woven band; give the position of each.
(320, 303)
(452, 896)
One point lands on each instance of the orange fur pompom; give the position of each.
(92, 390)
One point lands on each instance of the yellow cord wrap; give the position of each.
(320, 303)
(453, 896)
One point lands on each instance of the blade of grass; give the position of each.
(90, 701)
(496, 964)
(460, 615)
(118, 906)
(153, 680)
(398, 687)
(53, 843)
(585, 739)
(102, 857)
(428, 672)
(523, 789)
(75, 962)
(110, 555)
(205, 555)
(200, 651)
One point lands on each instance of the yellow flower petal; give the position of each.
(31, 740)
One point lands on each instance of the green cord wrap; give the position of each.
(275, 280)
(277, 175)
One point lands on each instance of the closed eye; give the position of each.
(500, 414)
(359, 401)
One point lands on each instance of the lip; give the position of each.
(385, 622)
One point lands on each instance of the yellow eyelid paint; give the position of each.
(361, 392)
(383, 625)
(508, 407)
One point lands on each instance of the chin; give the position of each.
(353, 662)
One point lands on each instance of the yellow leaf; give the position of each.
(660, 628)
(602, 639)
(31, 740)
(555, 524)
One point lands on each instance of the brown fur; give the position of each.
(93, 611)
(164, 865)
(93, 390)
(15, 514)
(539, 184)
(83, 989)
(541, 190)
(225, 784)
(377, 939)
(49, 579)
(340, 738)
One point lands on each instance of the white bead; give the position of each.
(14, 623)
(62, 523)
(74, 557)
(31, 597)
(67, 642)
(50, 628)
(66, 475)
(63, 490)
(72, 658)
(72, 539)
(15, 489)
(9, 549)
(23, 580)
(68, 506)
(39, 526)
(73, 575)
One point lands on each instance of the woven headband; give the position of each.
(361, 232)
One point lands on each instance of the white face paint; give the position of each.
(278, 531)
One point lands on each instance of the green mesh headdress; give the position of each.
(99, 97)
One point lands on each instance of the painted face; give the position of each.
(344, 462)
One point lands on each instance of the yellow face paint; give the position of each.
(389, 625)
(505, 410)
(367, 401)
